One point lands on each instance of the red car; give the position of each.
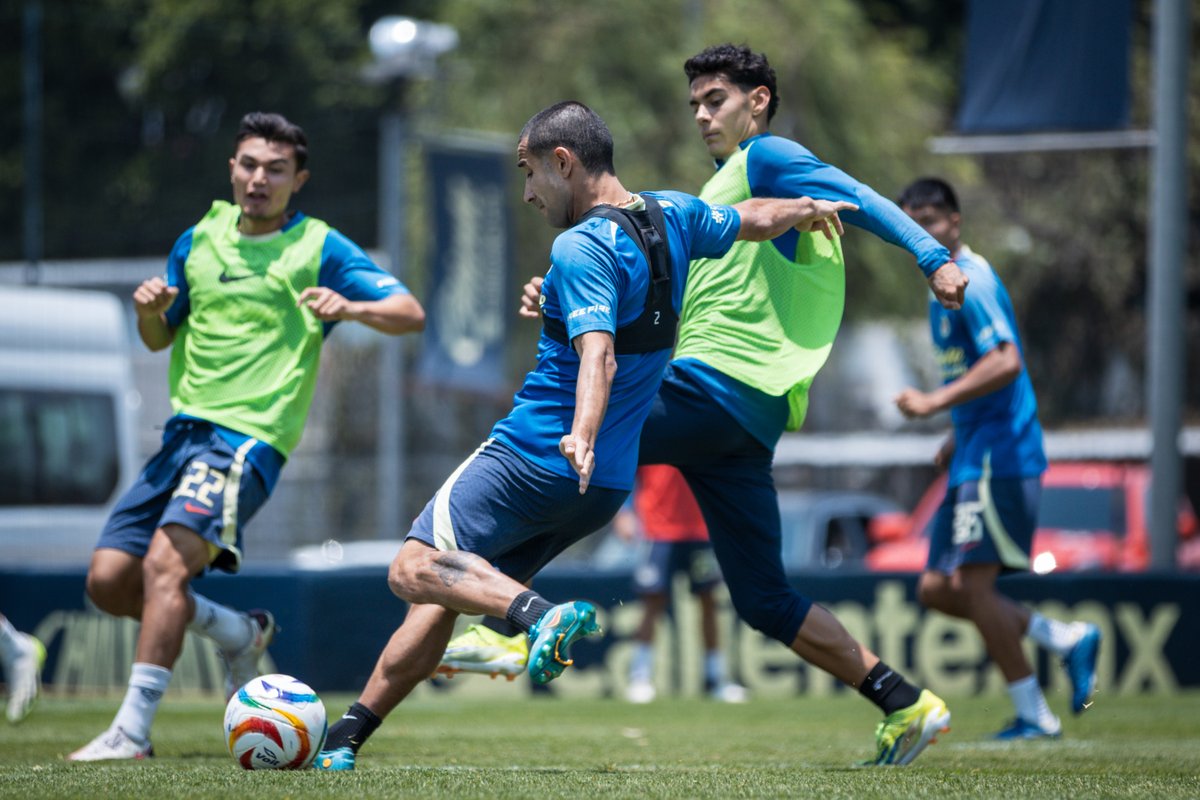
(1092, 516)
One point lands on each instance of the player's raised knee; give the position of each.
(402, 576)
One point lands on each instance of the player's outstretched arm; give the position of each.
(949, 285)
(765, 218)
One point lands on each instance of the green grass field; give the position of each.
(1144, 747)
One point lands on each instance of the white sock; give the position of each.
(1031, 705)
(714, 668)
(1058, 637)
(147, 682)
(230, 629)
(11, 641)
(641, 670)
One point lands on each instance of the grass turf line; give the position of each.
(540, 747)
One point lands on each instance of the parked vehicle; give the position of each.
(1092, 516)
(68, 412)
(821, 530)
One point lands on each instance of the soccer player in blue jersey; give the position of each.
(984, 527)
(757, 325)
(562, 462)
(250, 293)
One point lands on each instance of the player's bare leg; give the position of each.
(174, 556)
(114, 582)
(970, 593)
(641, 669)
(456, 580)
(824, 642)
(409, 657)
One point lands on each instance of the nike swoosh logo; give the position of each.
(348, 716)
(194, 509)
(879, 683)
(528, 603)
(223, 278)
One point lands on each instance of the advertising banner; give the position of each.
(1046, 65)
(1150, 625)
(469, 301)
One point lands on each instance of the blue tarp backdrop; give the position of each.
(1046, 65)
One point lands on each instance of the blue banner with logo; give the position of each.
(1046, 65)
(1150, 625)
(470, 300)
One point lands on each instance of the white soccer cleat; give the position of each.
(25, 678)
(640, 692)
(730, 693)
(112, 745)
(242, 667)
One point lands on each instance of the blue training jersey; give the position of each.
(344, 268)
(597, 281)
(1000, 428)
(779, 167)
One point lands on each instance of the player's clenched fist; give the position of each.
(326, 304)
(153, 297)
(531, 295)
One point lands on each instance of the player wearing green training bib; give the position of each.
(756, 327)
(250, 293)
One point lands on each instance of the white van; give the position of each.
(68, 417)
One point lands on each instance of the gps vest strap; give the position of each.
(655, 328)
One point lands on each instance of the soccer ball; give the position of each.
(275, 722)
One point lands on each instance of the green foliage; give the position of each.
(1130, 747)
(861, 101)
(142, 98)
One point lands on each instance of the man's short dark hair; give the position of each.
(743, 67)
(274, 128)
(572, 125)
(933, 192)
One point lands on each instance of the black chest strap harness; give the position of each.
(655, 328)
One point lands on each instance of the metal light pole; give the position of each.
(404, 49)
(1168, 246)
(31, 74)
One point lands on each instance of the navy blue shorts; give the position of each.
(662, 561)
(729, 472)
(512, 512)
(989, 521)
(197, 480)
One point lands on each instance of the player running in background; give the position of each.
(251, 292)
(21, 658)
(675, 541)
(562, 462)
(984, 527)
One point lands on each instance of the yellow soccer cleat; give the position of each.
(482, 650)
(903, 734)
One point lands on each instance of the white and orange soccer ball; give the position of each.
(275, 722)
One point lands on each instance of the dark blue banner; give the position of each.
(470, 298)
(1046, 65)
(335, 623)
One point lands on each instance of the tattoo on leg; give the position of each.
(452, 567)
